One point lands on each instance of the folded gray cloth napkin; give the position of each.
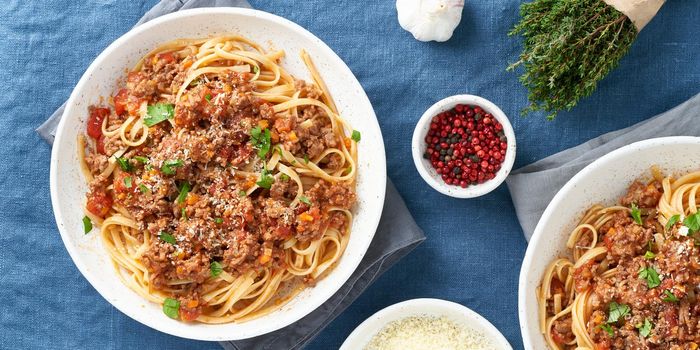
(396, 235)
(534, 185)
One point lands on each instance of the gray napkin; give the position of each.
(396, 235)
(534, 185)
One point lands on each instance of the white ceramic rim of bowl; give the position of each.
(182, 330)
(361, 336)
(426, 170)
(561, 195)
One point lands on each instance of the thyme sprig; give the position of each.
(569, 45)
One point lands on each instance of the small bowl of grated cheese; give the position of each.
(426, 324)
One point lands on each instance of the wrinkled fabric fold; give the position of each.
(532, 187)
(397, 233)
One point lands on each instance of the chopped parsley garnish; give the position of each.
(124, 164)
(306, 158)
(651, 276)
(284, 177)
(141, 159)
(143, 188)
(670, 297)
(266, 180)
(304, 200)
(159, 112)
(356, 136)
(242, 193)
(184, 190)
(278, 149)
(636, 214)
(127, 182)
(617, 311)
(215, 268)
(166, 237)
(608, 328)
(649, 255)
(183, 213)
(218, 221)
(87, 224)
(692, 222)
(256, 69)
(169, 165)
(672, 221)
(261, 140)
(171, 308)
(207, 97)
(645, 329)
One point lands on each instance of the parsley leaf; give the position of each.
(167, 238)
(141, 159)
(608, 328)
(651, 276)
(261, 140)
(169, 165)
(215, 268)
(124, 164)
(242, 193)
(143, 188)
(645, 329)
(306, 158)
(127, 182)
(672, 221)
(183, 214)
(171, 308)
(256, 69)
(207, 97)
(159, 112)
(218, 221)
(649, 255)
(356, 136)
(617, 311)
(304, 200)
(184, 190)
(87, 224)
(692, 222)
(670, 297)
(266, 180)
(284, 177)
(636, 214)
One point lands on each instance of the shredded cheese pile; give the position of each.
(438, 333)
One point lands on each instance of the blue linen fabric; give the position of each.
(474, 247)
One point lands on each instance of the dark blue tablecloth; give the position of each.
(474, 247)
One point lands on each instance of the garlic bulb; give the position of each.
(430, 19)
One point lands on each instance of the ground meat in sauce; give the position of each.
(675, 324)
(210, 142)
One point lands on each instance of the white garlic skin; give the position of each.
(430, 19)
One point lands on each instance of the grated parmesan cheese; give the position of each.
(425, 332)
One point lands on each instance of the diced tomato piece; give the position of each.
(99, 203)
(167, 57)
(120, 101)
(187, 314)
(94, 123)
(120, 183)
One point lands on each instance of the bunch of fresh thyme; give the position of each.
(569, 46)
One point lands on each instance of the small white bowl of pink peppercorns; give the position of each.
(463, 146)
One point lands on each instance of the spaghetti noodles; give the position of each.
(221, 183)
(634, 279)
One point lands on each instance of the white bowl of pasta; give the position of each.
(599, 269)
(230, 184)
